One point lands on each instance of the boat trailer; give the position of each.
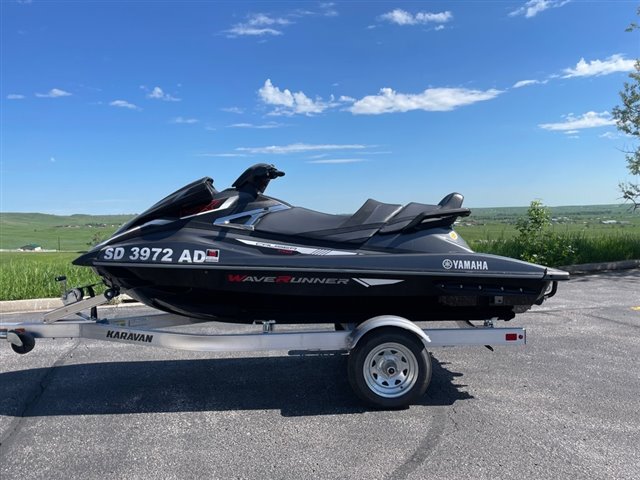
(388, 366)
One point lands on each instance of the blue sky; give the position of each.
(109, 106)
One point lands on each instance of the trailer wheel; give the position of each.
(28, 342)
(389, 368)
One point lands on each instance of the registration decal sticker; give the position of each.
(213, 256)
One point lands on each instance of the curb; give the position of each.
(601, 267)
(38, 304)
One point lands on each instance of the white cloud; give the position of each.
(524, 83)
(260, 19)
(158, 94)
(15, 96)
(155, 93)
(338, 160)
(328, 9)
(257, 25)
(431, 100)
(233, 110)
(402, 17)
(251, 125)
(53, 93)
(245, 30)
(610, 135)
(587, 120)
(439, 27)
(182, 120)
(288, 103)
(534, 7)
(615, 63)
(265, 25)
(299, 148)
(124, 104)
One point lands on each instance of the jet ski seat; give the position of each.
(371, 218)
(372, 212)
(303, 222)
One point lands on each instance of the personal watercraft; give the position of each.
(241, 256)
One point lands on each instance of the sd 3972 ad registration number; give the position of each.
(159, 254)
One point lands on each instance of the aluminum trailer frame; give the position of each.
(389, 365)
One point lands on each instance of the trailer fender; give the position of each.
(386, 321)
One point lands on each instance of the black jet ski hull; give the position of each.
(241, 293)
(240, 256)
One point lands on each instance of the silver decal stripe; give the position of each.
(361, 282)
(296, 248)
(374, 282)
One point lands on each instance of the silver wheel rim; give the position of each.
(390, 370)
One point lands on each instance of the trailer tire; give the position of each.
(28, 342)
(389, 368)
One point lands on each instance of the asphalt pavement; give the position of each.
(563, 406)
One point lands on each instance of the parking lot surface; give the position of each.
(563, 406)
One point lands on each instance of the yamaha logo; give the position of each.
(448, 264)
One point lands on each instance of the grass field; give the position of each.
(569, 248)
(491, 230)
(54, 232)
(32, 274)
(489, 224)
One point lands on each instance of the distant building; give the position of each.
(32, 247)
(609, 222)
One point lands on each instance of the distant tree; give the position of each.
(537, 243)
(627, 118)
(534, 224)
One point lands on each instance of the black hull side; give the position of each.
(230, 308)
(243, 296)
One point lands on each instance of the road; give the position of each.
(563, 406)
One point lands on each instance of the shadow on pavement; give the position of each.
(297, 386)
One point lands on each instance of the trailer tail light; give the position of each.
(511, 337)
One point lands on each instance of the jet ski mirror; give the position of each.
(255, 179)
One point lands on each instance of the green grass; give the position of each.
(32, 275)
(569, 248)
(502, 231)
(493, 224)
(54, 232)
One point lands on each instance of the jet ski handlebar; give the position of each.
(257, 177)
